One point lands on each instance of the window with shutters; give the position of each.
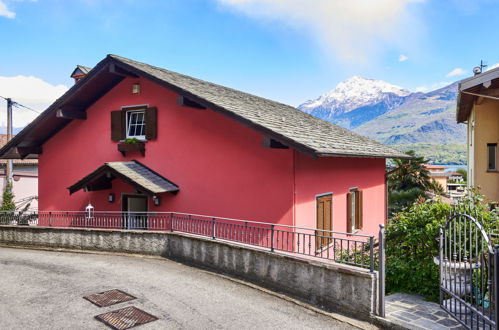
(136, 124)
(354, 210)
(323, 238)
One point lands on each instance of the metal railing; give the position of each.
(352, 249)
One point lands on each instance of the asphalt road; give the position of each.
(44, 290)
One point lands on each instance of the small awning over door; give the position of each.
(132, 172)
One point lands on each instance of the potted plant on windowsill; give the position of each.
(132, 144)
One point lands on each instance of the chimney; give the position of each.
(80, 72)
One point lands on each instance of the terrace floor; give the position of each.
(413, 312)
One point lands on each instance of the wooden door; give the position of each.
(324, 221)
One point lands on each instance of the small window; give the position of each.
(354, 210)
(492, 156)
(136, 124)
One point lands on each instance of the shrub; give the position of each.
(412, 243)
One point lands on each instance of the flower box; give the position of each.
(128, 147)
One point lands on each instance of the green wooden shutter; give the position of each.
(151, 123)
(118, 125)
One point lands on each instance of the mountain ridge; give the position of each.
(393, 115)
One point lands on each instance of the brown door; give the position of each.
(324, 221)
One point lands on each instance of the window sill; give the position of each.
(492, 171)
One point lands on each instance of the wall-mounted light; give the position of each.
(110, 198)
(155, 200)
(136, 88)
(89, 211)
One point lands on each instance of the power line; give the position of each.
(20, 105)
(17, 104)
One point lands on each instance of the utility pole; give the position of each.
(8, 170)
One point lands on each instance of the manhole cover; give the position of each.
(108, 298)
(126, 318)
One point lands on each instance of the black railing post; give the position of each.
(441, 262)
(50, 219)
(272, 238)
(213, 233)
(496, 284)
(371, 254)
(381, 271)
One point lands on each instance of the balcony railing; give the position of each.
(353, 249)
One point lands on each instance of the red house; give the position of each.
(129, 136)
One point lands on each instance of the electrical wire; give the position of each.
(17, 104)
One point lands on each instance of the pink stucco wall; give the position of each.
(338, 175)
(219, 165)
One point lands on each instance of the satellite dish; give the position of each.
(477, 70)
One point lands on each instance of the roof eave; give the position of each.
(18, 138)
(359, 155)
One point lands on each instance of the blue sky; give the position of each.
(286, 50)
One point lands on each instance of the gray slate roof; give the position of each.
(143, 176)
(84, 69)
(323, 138)
(132, 172)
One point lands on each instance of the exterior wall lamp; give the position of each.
(110, 198)
(155, 200)
(89, 211)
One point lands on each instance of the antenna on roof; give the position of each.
(479, 69)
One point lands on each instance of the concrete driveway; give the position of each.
(44, 290)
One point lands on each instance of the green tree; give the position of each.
(408, 182)
(464, 173)
(412, 243)
(8, 199)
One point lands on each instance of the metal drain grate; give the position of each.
(126, 318)
(108, 298)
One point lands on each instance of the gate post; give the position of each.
(496, 284)
(381, 271)
(440, 261)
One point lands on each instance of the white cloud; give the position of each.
(353, 30)
(456, 72)
(403, 58)
(493, 66)
(432, 87)
(4, 10)
(29, 91)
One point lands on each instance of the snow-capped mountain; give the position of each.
(352, 94)
(395, 116)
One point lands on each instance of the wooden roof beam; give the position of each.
(26, 151)
(114, 69)
(71, 114)
(186, 102)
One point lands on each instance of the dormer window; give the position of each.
(136, 124)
